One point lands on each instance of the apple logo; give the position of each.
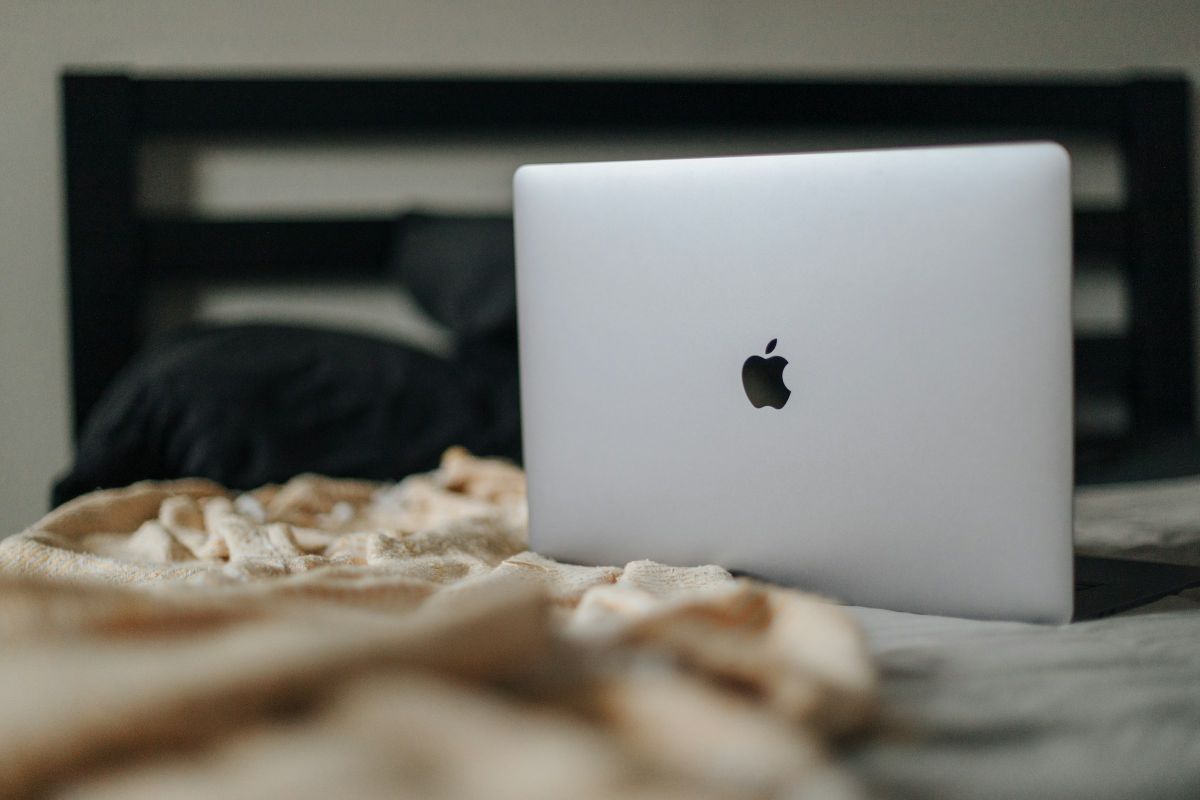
(762, 378)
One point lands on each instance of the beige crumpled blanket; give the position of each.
(334, 639)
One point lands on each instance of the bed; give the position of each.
(1133, 372)
(967, 709)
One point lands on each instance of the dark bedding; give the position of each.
(254, 404)
(257, 404)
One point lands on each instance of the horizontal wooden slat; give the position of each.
(266, 249)
(301, 105)
(1100, 232)
(1102, 364)
(1169, 452)
(358, 245)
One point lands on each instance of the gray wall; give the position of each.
(37, 39)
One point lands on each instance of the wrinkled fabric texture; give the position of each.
(1107, 709)
(248, 405)
(333, 638)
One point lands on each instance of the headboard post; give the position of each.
(105, 297)
(1158, 180)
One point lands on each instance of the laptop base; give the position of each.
(1106, 586)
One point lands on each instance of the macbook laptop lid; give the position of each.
(849, 372)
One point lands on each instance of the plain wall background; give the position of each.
(39, 37)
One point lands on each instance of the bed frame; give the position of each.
(116, 251)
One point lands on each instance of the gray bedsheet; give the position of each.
(1102, 709)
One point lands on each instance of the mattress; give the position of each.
(325, 638)
(1108, 708)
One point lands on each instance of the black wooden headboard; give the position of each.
(115, 249)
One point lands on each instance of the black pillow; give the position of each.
(460, 269)
(254, 404)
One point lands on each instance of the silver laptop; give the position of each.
(848, 372)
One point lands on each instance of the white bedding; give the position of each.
(1102, 709)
